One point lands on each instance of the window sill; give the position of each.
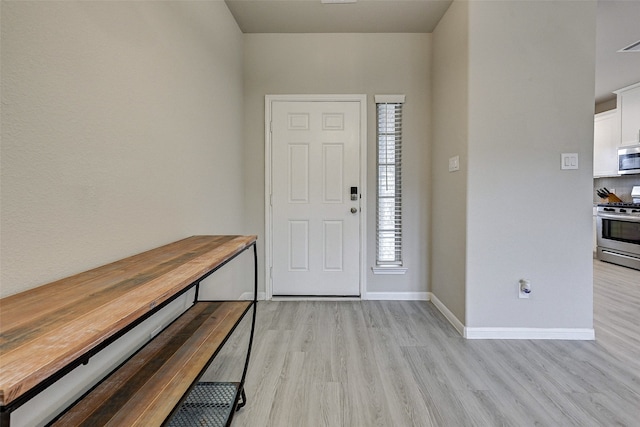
(389, 270)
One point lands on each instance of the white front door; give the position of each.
(315, 166)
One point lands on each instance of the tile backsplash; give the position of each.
(621, 184)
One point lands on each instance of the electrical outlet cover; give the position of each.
(454, 163)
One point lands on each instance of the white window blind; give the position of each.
(389, 188)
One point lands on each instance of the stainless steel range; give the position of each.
(618, 232)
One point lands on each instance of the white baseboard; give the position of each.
(247, 296)
(322, 299)
(448, 314)
(584, 334)
(398, 296)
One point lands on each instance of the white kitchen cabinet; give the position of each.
(606, 140)
(629, 108)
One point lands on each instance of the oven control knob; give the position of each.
(623, 210)
(609, 210)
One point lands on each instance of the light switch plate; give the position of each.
(569, 161)
(454, 163)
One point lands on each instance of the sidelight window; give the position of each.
(389, 185)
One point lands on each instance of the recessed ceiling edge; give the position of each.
(633, 47)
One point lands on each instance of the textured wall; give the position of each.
(530, 99)
(350, 64)
(513, 89)
(121, 131)
(450, 134)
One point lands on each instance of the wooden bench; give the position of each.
(48, 331)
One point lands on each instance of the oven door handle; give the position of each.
(628, 218)
(619, 255)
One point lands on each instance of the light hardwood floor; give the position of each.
(400, 363)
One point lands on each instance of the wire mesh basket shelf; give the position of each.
(209, 404)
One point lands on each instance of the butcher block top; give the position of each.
(48, 328)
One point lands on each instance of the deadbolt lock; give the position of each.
(354, 194)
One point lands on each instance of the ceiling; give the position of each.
(617, 27)
(312, 16)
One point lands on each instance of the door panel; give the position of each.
(333, 243)
(315, 161)
(298, 246)
(332, 171)
(299, 173)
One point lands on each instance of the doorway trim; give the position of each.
(268, 100)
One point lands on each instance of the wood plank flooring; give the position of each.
(400, 363)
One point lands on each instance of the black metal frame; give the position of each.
(240, 393)
(6, 410)
(237, 405)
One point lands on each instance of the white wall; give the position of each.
(513, 87)
(349, 64)
(450, 135)
(531, 88)
(121, 131)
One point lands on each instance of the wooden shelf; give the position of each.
(148, 387)
(47, 331)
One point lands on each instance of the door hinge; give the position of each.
(270, 272)
(270, 127)
(270, 199)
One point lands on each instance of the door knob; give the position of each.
(354, 210)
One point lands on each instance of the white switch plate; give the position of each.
(454, 163)
(569, 161)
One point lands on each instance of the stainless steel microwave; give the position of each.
(629, 159)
